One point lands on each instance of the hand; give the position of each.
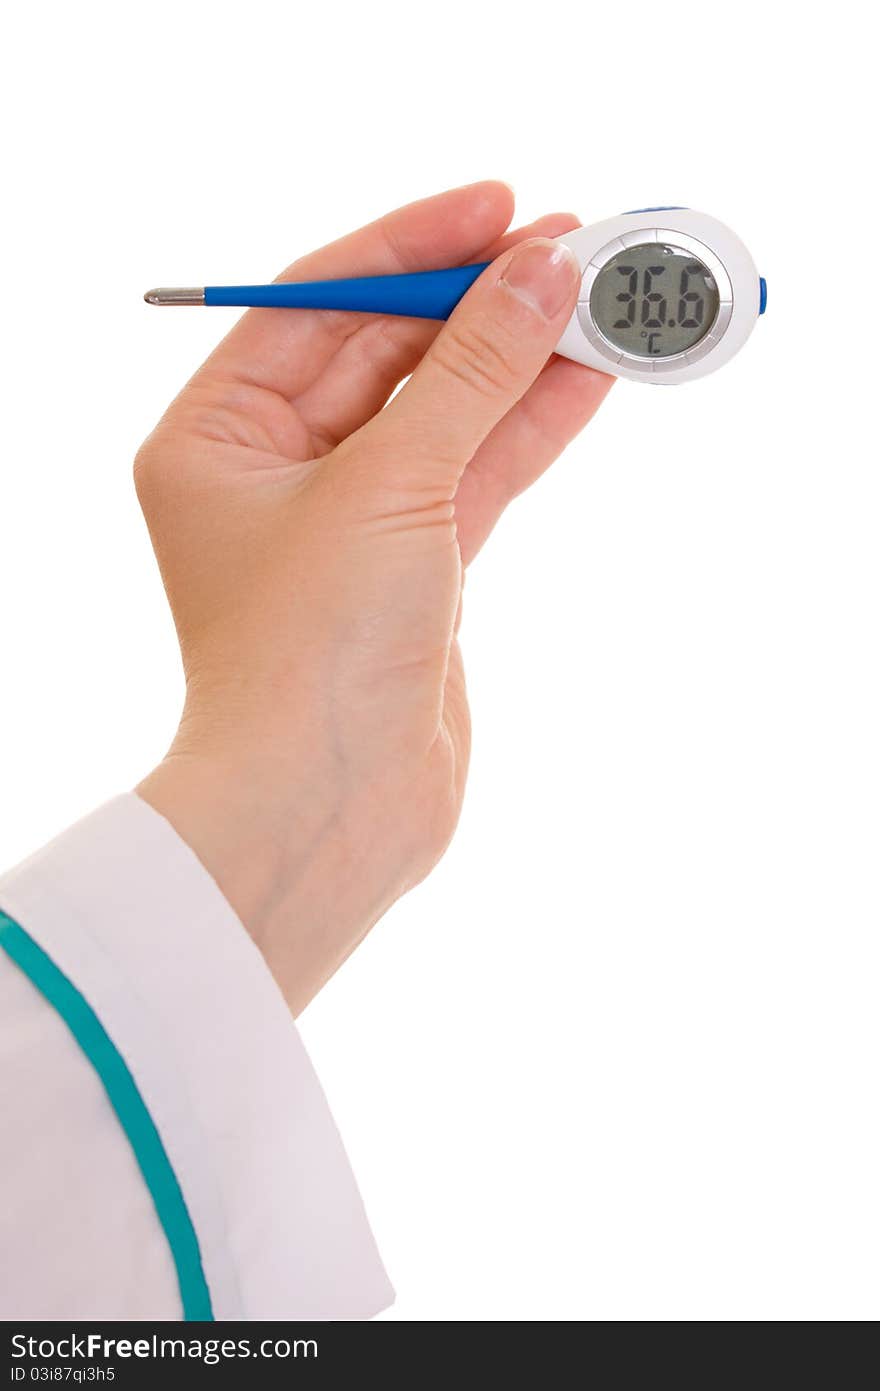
(312, 536)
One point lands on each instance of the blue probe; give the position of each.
(427, 294)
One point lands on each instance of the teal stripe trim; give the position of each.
(128, 1104)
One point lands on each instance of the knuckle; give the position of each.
(156, 470)
(478, 357)
(144, 471)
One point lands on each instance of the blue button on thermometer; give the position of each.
(667, 294)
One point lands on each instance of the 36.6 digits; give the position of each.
(652, 313)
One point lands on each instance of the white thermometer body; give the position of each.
(667, 295)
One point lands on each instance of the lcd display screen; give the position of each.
(654, 300)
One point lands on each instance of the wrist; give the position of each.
(292, 866)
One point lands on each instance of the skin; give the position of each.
(313, 537)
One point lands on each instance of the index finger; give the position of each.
(285, 350)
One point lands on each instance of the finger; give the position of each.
(479, 365)
(364, 371)
(283, 350)
(523, 445)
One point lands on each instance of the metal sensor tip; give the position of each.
(189, 296)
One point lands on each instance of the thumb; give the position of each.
(481, 363)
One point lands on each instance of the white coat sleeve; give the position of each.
(166, 1150)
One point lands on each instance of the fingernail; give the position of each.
(543, 274)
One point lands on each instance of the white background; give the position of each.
(617, 1058)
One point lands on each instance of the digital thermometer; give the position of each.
(667, 294)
